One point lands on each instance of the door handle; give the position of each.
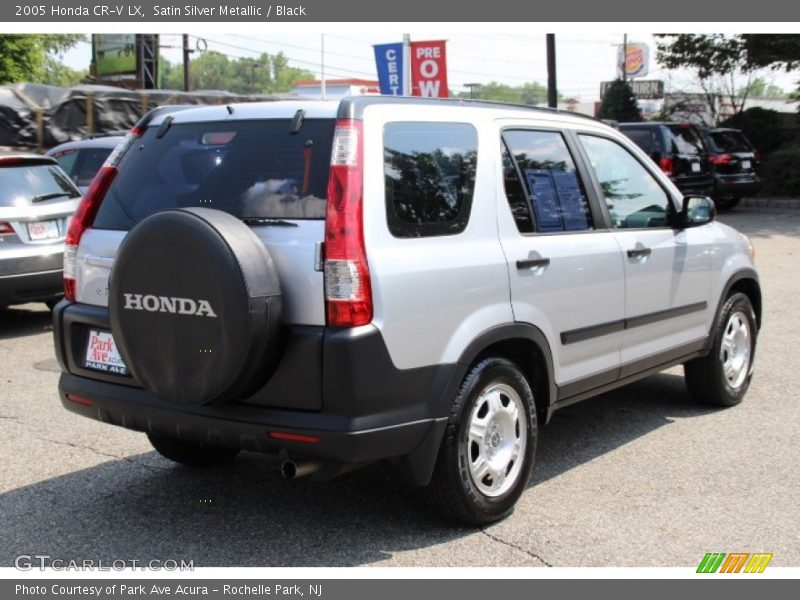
(639, 252)
(532, 263)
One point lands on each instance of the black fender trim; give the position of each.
(741, 274)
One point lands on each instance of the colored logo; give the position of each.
(734, 562)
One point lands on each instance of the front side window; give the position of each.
(429, 173)
(548, 172)
(633, 196)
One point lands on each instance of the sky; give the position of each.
(583, 60)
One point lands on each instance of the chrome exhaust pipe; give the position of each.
(292, 470)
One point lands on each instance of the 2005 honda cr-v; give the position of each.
(415, 281)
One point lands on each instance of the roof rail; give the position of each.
(353, 106)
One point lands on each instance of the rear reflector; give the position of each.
(348, 293)
(79, 400)
(720, 159)
(666, 165)
(293, 437)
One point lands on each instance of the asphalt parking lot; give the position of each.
(638, 477)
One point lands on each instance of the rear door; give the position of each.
(667, 271)
(690, 165)
(734, 155)
(265, 172)
(566, 270)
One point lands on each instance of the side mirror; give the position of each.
(697, 210)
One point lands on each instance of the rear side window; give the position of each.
(686, 140)
(548, 173)
(646, 139)
(731, 141)
(22, 185)
(83, 165)
(250, 169)
(429, 173)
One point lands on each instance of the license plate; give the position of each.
(746, 164)
(102, 353)
(43, 230)
(695, 167)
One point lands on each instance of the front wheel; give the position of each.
(722, 377)
(487, 454)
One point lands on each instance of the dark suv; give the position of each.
(678, 149)
(734, 161)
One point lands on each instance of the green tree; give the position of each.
(36, 58)
(619, 103)
(530, 93)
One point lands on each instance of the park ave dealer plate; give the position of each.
(102, 353)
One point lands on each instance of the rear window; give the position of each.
(25, 184)
(686, 139)
(250, 169)
(82, 165)
(731, 141)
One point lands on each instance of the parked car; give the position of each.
(82, 159)
(36, 199)
(412, 281)
(678, 150)
(734, 161)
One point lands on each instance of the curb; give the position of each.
(775, 202)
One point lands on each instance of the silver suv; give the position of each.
(413, 281)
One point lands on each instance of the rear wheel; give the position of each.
(722, 377)
(191, 454)
(487, 454)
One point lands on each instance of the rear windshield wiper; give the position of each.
(267, 221)
(53, 196)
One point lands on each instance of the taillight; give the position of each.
(757, 155)
(348, 294)
(665, 164)
(87, 209)
(6, 229)
(720, 159)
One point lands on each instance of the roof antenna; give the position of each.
(297, 121)
(229, 108)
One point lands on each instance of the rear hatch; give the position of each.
(690, 164)
(732, 153)
(36, 199)
(271, 173)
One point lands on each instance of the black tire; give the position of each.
(726, 203)
(705, 376)
(453, 490)
(191, 454)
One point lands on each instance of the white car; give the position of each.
(415, 281)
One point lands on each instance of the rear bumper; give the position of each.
(31, 287)
(242, 426)
(733, 186)
(702, 187)
(338, 386)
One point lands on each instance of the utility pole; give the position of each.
(323, 91)
(407, 87)
(552, 92)
(472, 87)
(186, 53)
(625, 57)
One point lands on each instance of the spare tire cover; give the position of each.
(194, 303)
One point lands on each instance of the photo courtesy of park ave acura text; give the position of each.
(283, 293)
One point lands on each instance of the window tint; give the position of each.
(22, 185)
(634, 197)
(645, 139)
(515, 194)
(548, 172)
(429, 171)
(686, 140)
(88, 164)
(66, 160)
(731, 141)
(255, 169)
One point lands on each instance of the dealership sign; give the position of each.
(643, 89)
(637, 61)
(428, 69)
(389, 60)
